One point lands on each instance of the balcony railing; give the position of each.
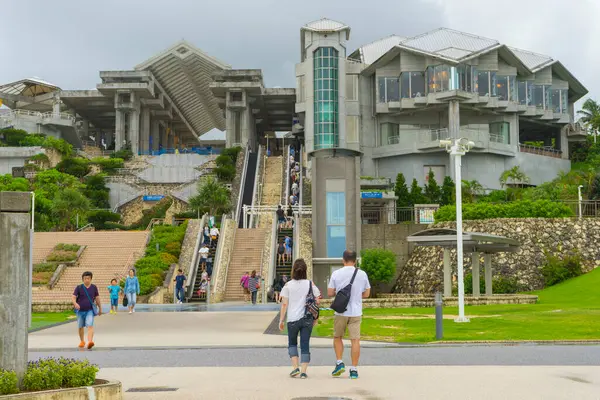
(397, 215)
(542, 151)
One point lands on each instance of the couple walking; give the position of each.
(300, 299)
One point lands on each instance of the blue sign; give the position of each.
(153, 198)
(371, 195)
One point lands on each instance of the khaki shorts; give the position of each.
(340, 323)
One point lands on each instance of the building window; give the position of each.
(235, 96)
(564, 105)
(389, 89)
(464, 78)
(389, 133)
(486, 83)
(525, 92)
(500, 132)
(351, 87)
(502, 87)
(440, 78)
(412, 84)
(300, 97)
(555, 99)
(326, 97)
(336, 223)
(352, 128)
(537, 98)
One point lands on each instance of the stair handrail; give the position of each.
(296, 235)
(218, 255)
(194, 263)
(255, 200)
(284, 203)
(84, 227)
(300, 194)
(273, 262)
(238, 208)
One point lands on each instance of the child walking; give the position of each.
(114, 290)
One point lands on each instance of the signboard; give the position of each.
(18, 172)
(424, 213)
(371, 195)
(153, 198)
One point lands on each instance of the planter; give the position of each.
(427, 301)
(102, 390)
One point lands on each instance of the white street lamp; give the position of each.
(458, 149)
(579, 198)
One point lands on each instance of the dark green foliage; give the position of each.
(78, 167)
(8, 382)
(232, 152)
(401, 191)
(379, 264)
(100, 218)
(13, 137)
(124, 154)
(495, 196)
(50, 373)
(223, 160)
(108, 165)
(59, 145)
(416, 194)
(40, 157)
(500, 284)
(33, 139)
(594, 191)
(96, 191)
(448, 192)
(556, 270)
(517, 209)
(225, 173)
(433, 192)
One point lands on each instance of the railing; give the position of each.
(435, 135)
(255, 189)
(153, 222)
(397, 215)
(273, 261)
(204, 151)
(301, 180)
(285, 200)
(194, 263)
(65, 116)
(219, 254)
(393, 139)
(238, 207)
(542, 151)
(589, 208)
(84, 227)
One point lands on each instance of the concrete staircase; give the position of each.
(245, 257)
(107, 255)
(286, 267)
(273, 181)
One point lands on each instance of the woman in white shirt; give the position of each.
(299, 321)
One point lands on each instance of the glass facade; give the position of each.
(389, 133)
(502, 87)
(326, 110)
(412, 84)
(560, 100)
(500, 132)
(336, 223)
(440, 78)
(537, 96)
(389, 89)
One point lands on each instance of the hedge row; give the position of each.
(516, 209)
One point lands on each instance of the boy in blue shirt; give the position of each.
(114, 290)
(179, 281)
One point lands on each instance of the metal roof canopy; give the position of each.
(473, 242)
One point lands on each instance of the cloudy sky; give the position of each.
(67, 42)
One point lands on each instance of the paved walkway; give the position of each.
(375, 383)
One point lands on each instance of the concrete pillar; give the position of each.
(165, 138)
(119, 129)
(134, 131)
(154, 135)
(56, 105)
(487, 262)
(447, 274)
(15, 283)
(453, 129)
(475, 273)
(85, 128)
(145, 131)
(98, 135)
(109, 138)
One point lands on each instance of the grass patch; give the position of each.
(40, 320)
(567, 311)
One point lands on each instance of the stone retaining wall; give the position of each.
(227, 237)
(102, 390)
(408, 301)
(305, 250)
(537, 236)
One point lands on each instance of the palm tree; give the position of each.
(66, 204)
(212, 195)
(471, 189)
(515, 174)
(590, 115)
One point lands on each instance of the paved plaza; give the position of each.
(173, 352)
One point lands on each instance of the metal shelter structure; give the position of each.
(474, 243)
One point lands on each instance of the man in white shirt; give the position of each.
(351, 319)
(295, 189)
(203, 254)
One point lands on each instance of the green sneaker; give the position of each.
(353, 374)
(339, 369)
(295, 373)
(303, 376)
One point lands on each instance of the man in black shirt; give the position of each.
(280, 217)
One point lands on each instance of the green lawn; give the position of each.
(568, 311)
(40, 320)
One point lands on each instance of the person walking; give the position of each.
(114, 289)
(350, 319)
(132, 290)
(281, 252)
(179, 281)
(244, 284)
(299, 320)
(84, 297)
(206, 234)
(288, 248)
(253, 285)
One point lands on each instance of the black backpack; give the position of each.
(342, 298)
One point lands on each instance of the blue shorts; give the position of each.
(114, 302)
(85, 318)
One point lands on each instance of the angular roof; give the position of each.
(449, 43)
(185, 72)
(369, 53)
(29, 87)
(533, 61)
(327, 25)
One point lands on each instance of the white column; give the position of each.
(134, 131)
(475, 273)
(447, 274)
(154, 132)
(85, 127)
(454, 132)
(145, 130)
(56, 105)
(119, 129)
(487, 262)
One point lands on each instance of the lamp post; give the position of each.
(579, 199)
(458, 149)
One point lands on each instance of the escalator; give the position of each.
(248, 189)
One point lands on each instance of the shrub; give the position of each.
(124, 154)
(173, 248)
(40, 157)
(67, 247)
(168, 258)
(41, 278)
(8, 382)
(108, 164)
(100, 218)
(33, 139)
(150, 262)
(49, 374)
(59, 145)
(517, 209)
(379, 264)
(62, 256)
(232, 152)
(150, 282)
(223, 160)
(13, 137)
(44, 267)
(225, 173)
(74, 166)
(556, 270)
(500, 284)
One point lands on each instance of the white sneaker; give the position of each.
(130, 312)
(133, 310)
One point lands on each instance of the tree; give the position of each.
(470, 190)
(67, 204)
(590, 115)
(515, 175)
(212, 196)
(448, 191)
(379, 264)
(78, 167)
(96, 191)
(401, 191)
(416, 193)
(433, 193)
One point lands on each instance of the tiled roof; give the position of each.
(371, 52)
(531, 60)
(449, 43)
(326, 25)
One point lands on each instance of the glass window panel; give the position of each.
(493, 84)
(538, 96)
(469, 79)
(405, 85)
(512, 88)
(381, 88)
(565, 101)
(501, 87)
(336, 241)
(500, 132)
(352, 87)
(529, 93)
(483, 83)
(555, 94)
(547, 98)
(389, 133)
(431, 80)
(522, 92)
(393, 89)
(417, 84)
(352, 128)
